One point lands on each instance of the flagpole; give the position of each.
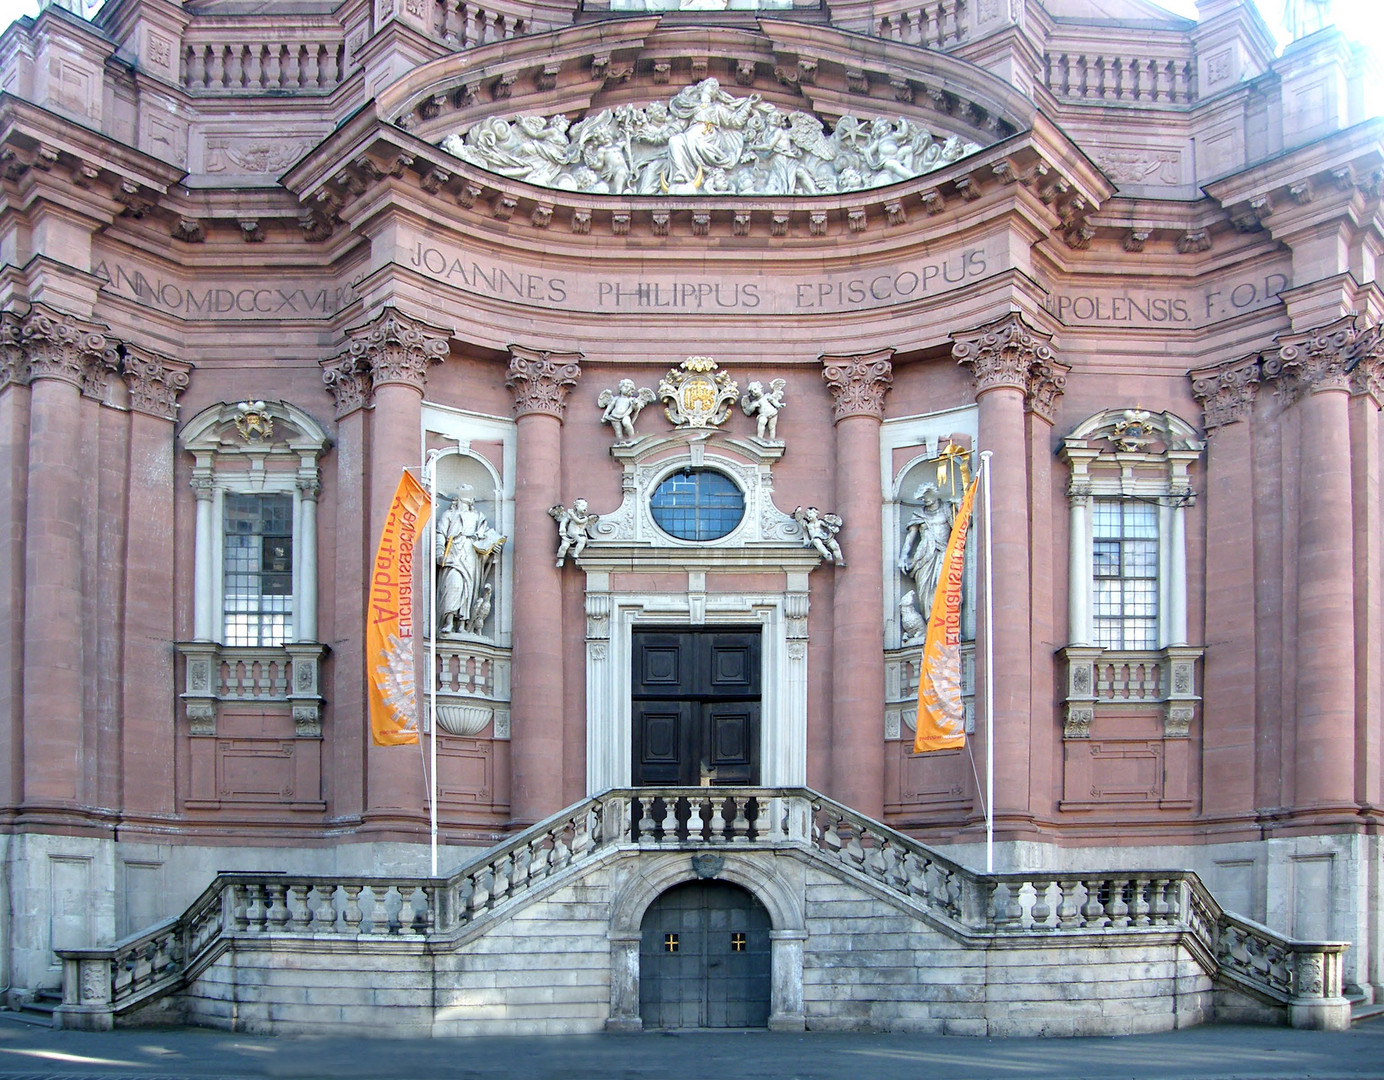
(431, 468)
(989, 675)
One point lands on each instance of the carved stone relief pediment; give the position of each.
(706, 141)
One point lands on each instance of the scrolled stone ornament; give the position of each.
(697, 393)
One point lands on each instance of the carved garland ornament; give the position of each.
(705, 141)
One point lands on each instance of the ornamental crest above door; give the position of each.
(697, 393)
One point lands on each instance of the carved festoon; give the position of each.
(1008, 353)
(697, 393)
(765, 406)
(859, 383)
(573, 529)
(705, 141)
(620, 408)
(541, 381)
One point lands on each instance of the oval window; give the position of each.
(697, 504)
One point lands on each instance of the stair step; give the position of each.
(1365, 1012)
(24, 1016)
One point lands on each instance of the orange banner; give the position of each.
(941, 712)
(390, 615)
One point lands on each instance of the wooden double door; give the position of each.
(696, 707)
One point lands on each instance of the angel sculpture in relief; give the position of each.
(765, 406)
(622, 407)
(573, 529)
(819, 531)
(467, 548)
(925, 544)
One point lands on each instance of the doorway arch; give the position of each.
(705, 958)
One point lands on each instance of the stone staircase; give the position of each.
(871, 929)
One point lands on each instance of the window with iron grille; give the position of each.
(1124, 537)
(257, 560)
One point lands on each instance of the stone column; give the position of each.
(1367, 473)
(858, 386)
(1312, 368)
(1014, 369)
(305, 617)
(541, 382)
(147, 690)
(1227, 393)
(63, 357)
(396, 350)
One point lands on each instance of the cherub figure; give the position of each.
(573, 529)
(766, 405)
(622, 407)
(819, 531)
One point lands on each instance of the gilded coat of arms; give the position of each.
(697, 393)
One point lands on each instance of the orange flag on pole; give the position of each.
(941, 712)
(391, 617)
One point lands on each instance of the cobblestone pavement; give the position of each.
(1204, 1053)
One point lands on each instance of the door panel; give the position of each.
(704, 958)
(695, 707)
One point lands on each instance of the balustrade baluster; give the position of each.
(216, 77)
(1068, 911)
(668, 821)
(718, 819)
(276, 910)
(1093, 911)
(194, 68)
(646, 821)
(1141, 903)
(301, 912)
(500, 871)
(1117, 909)
(479, 899)
(696, 822)
(352, 914)
(740, 826)
(1042, 910)
(408, 915)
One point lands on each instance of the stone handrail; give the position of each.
(980, 908)
(252, 674)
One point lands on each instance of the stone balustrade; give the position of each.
(464, 25)
(236, 61)
(933, 26)
(981, 910)
(1146, 80)
(1131, 677)
(250, 674)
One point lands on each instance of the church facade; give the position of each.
(697, 318)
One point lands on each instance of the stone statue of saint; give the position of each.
(924, 544)
(466, 548)
(819, 531)
(573, 529)
(713, 140)
(622, 407)
(1303, 17)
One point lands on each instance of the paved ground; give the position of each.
(1205, 1053)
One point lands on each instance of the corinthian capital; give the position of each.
(1226, 391)
(541, 381)
(1316, 360)
(47, 344)
(859, 382)
(1010, 354)
(347, 382)
(396, 348)
(1366, 365)
(154, 381)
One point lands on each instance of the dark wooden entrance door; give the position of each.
(695, 707)
(704, 958)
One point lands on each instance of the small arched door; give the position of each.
(704, 958)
